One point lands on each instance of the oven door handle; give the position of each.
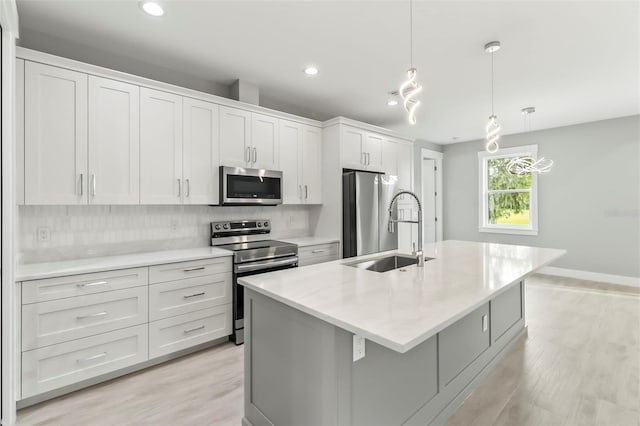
(266, 264)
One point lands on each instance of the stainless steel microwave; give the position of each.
(240, 186)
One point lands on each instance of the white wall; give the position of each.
(90, 231)
(589, 204)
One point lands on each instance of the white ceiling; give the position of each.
(575, 61)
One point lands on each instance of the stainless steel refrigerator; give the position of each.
(365, 213)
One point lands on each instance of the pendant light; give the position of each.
(493, 128)
(520, 166)
(410, 87)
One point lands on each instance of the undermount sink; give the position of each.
(386, 263)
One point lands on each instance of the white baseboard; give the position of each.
(591, 276)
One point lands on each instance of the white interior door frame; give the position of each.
(9, 22)
(427, 154)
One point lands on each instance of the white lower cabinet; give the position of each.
(79, 327)
(55, 366)
(56, 321)
(183, 331)
(187, 295)
(319, 253)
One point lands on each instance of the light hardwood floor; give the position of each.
(579, 365)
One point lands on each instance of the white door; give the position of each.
(289, 155)
(390, 157)
(200, 150)
(352, 142)
(373, 149)
(429, 199)
(311, 162)
(264, 142)
(160, 147)
(235, 137)
(114, 142)
(55, 118)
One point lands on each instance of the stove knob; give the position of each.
(259, 224)
(217, 227)
(266, 224)
(226, 226)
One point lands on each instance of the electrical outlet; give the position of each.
(44, 234)
(358, 347)
(174, 224)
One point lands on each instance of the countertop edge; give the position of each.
(67, 269)
(310, 241)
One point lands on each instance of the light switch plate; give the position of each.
(358, 347)
(44, 234)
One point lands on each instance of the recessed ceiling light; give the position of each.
(392, 102)
(311, 70)
(152, 8)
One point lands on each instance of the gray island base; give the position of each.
(299, 362)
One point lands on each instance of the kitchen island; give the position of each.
(431, 334)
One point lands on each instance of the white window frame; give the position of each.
(483, 214)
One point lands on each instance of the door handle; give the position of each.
(247, 155)
(199, 268)
(255, 155)
(91, 358)
(188, 296)
(99, 314)
(179, 187)
(93, 185)
(368, 159)
(306, 192)
(82, 285)
(191, 330)
(187, 189)
(81, 184)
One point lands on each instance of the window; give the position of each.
(508, 203)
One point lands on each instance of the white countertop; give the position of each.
(310, 241)
(34, 271)
(400, 310)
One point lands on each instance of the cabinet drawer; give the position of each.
(188, 295)
(183, 331)
(79, 285)
(317, 253)
(461, 343)
(506, 310)
(196, 268)
(59, 365)
(56, 321)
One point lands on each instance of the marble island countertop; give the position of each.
(33, 271)
(401, 309)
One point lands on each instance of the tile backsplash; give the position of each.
(90, 231)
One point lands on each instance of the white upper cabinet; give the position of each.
(311, 164)
(405, 166)
(55, 135)
(114, 145)
(235, 137)
(160, 147)
(19, 131)
(264, 142)
(200, 152)
(361, 150)
(300, 160)
(389, 157)
(290, 154)
(352, 143)
(373, 152)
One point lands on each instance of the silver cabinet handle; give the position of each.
(306, 192)
(99, 314)
(82, 285)
(93, 185)
(199, 268)
(179, 187)
(81, 184)
(91, 358)
(187, 188)
(255, 155)
(317, 251)
(191, 330)
(247, 154)
(368, 159)
(188, 296)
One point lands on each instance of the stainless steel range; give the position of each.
(253, 254)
